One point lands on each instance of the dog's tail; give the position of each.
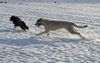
(81, 26)
(27, 27)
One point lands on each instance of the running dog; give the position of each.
(51, 25)
(18, 22)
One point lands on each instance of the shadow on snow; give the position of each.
(35, 40)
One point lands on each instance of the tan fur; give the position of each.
(51, 25)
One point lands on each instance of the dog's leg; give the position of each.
(48, 34)
(42, 33)
(73, 31)
(23, 28)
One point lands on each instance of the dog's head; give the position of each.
(14, 18)
(39, 22)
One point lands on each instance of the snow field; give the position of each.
(17, 46)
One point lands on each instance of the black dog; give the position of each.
(18, 22)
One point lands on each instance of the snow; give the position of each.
(17, 46)
(57, 1)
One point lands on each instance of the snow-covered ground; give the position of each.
(58, 1)
(17, 46)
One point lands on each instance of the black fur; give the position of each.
(18, 22)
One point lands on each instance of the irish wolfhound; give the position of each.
(51, 25)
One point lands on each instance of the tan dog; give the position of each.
(51, 25)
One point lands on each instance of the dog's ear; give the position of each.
(40, 18)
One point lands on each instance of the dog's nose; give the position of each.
(36, 24)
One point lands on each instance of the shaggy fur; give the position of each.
(51, 25)
(18, 22)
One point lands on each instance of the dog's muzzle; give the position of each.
(38, 24)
